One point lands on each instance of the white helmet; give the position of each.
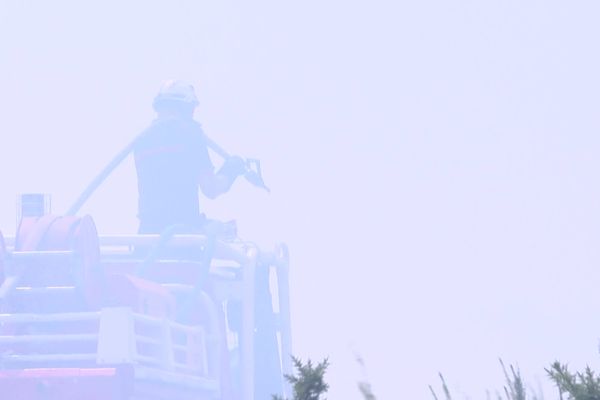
(177, 91)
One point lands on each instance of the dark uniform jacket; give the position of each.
(169, 157)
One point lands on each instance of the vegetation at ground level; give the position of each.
(308, 383)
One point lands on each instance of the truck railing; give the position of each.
(230, 251)
(122, 338)
(237, 256)
(157, 344)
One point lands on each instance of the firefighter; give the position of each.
(172, 162)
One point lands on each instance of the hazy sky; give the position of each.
(434, 164)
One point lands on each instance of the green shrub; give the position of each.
(309, 383)
(578, 385)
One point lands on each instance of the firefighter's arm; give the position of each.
(213, 184)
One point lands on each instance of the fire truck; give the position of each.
(146, 317)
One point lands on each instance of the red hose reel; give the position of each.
(66, 250)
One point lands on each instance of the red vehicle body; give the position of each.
(123, 317)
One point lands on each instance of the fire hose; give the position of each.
(253, 172)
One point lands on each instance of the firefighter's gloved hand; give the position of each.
(233, 167)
